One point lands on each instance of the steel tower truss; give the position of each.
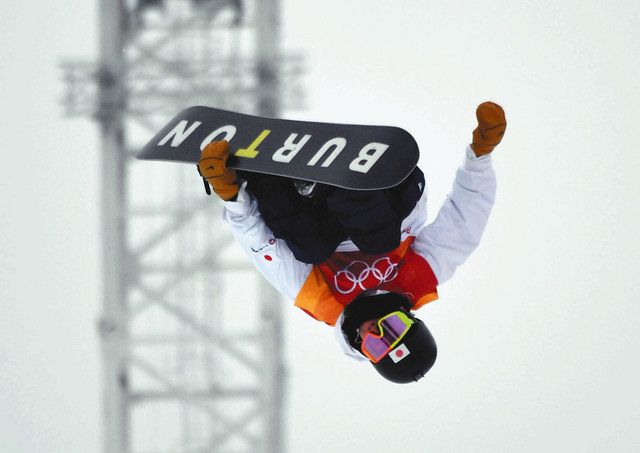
(191, 335)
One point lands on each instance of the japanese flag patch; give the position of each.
(399, 353)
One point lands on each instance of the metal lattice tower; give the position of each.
(191, 334)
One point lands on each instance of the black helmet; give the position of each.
(412, 357)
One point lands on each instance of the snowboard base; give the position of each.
(350, 156)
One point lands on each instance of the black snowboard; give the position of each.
(343, 155)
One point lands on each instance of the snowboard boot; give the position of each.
(307, 189)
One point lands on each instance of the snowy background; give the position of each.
(538, 332)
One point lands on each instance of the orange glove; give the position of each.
(491, 126)
(213, 168)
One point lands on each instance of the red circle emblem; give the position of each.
(268, 257)
(399, 353)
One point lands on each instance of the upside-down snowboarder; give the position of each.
(362, 261)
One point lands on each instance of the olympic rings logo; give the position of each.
(346, 280)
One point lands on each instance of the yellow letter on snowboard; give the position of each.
(251, 152)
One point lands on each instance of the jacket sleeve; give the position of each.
(272, 257)
(455, 233)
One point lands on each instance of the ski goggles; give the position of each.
(393, 328)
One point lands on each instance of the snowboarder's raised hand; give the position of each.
(213, 168)
(491, 126)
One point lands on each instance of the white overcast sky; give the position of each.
(538, 332)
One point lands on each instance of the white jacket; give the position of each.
(445, 243)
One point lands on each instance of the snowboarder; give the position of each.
(362, 261)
